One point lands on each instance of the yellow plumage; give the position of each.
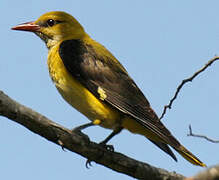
(77, 95)
(93, 81)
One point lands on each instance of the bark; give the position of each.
(211, 173)
(80, 143)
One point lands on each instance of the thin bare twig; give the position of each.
(169, 106)
(201, 136)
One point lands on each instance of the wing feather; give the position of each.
(95, 70)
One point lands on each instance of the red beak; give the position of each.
(28, 26)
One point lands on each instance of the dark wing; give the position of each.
(103, 71)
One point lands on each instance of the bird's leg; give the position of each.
(105, 141)
(104, 144)
(84, 126)
(81, 127)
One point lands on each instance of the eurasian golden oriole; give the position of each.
(94, 82)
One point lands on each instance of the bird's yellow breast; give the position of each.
(77, 95)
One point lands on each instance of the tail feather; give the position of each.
(189, 156)
(181, 150)
(165, 148)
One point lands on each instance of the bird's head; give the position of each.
(54, 27)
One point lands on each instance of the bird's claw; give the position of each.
(61, 144)
(103, 145)
(80, 133)
(88, 164)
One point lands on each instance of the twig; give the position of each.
(201, 136)
(79, 143)
(169, 106)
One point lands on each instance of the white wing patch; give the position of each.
(102, 93)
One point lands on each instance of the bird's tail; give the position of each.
(189, 156)
(165, 148)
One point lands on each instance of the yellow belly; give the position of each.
(78, 96)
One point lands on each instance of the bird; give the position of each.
(93, 81)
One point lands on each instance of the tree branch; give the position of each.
(169, 106)
(80, 143)
(201, 136)
(211, 173)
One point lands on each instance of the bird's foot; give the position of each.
(107, 147)
(88, 163)
(80, 133)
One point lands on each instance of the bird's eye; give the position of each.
(50, 22)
